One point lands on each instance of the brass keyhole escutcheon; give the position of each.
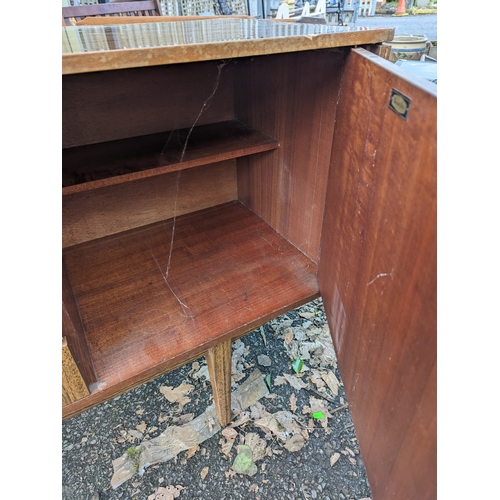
(399, 103)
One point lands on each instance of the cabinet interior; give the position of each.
(193, 200)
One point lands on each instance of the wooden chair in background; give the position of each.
(134, 8)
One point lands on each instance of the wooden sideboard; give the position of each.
(217, 173)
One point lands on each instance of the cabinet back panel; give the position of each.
(110, 210)
(377, 272)
(293, 98)
(105, 106)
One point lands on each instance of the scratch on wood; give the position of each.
(381, 275)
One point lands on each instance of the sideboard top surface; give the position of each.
(118, 46)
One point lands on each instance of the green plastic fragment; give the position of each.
(318, 414)
(297, 365)
(268, 382)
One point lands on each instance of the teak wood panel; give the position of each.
(231, 41)
(74, 334)
(94, 214)
(377, 273)
(293, 98)
(115, 162)
(106, 106)
(230, 272)
(73, 385)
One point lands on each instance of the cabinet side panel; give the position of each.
(377, 272)
(105, 106)
(293, 98)
(72, 329)
(111, 210)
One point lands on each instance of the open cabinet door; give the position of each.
(377, 270)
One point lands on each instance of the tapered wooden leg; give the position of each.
(73, 385)
(219, 367)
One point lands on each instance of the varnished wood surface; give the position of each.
(115, 162)
(72, 331)
(377, 273)
(113, 105)
(229, 271)
(99, 48)
(73, 385)
(94, 214)
(219, 368)
(292, 97)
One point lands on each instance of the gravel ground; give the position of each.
(93, 439)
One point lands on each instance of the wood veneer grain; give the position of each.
(293, 98)
(219, 368)
(96, 61)
(94, 214)
(72, 331)
(229, 270)
(73, 385)
(115, 162)
(377, 272)
(107, 106)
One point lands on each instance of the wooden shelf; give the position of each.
(115, 162)
(229, 273)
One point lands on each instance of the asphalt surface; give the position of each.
(423, 24)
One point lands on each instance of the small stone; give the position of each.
(334, 458)
(264, 360)
(203, 473)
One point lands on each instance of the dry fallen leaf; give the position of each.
(293, 402)
(243, 418)
(194, 367)
(332, 382)
(353, 461)
(229, 433)
(254, 488)
(316, 379)
(334, 458)
(318, 406)
(177, 395)
(168, 493)
(295, 443)
(294, 381)
(192, 451)
(183, 419)
(227, 446)
(257, 411)
(307, 315)
(202, 372)
(141, 427)
(203, 473)
(279, 380)
(288, 337)
(257, 445)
